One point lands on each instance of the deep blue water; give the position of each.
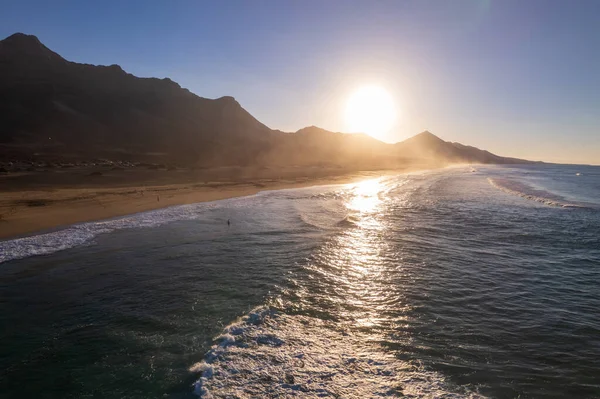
(462, 282)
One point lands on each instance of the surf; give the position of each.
(270, 354)
(528, 192)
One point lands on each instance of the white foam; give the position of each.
(79, 234)
(269, 354)
(524, 191)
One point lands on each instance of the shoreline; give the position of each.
(38, 210)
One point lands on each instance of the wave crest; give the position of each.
(525, 191)
(270, 354)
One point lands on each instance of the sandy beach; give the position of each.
(39, 201)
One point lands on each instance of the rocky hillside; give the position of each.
(54, 109)
(52, 106)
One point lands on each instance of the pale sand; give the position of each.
(25, 211)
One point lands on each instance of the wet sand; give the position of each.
(38, 201)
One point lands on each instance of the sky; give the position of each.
(519, 78)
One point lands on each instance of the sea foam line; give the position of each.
(524, 191)
(269, 354)
(80, 234)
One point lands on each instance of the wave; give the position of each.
(80, 234)
(76, 235)
(325, 216)
(270, 354)
(525, 191)
(326, 222)
(348, 221)
(318, 212)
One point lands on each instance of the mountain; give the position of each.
(315, 146)
(428, 146)
(51, 108)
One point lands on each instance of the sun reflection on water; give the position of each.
(348, 277)
(360, 250)
(365, 196)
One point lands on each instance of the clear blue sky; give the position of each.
(517, 77)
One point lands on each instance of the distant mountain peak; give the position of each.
(427, 134)
(425, 138)
(96, 111)
(29, 46)
(312, 129)
(22, 38)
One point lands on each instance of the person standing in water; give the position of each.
(228, 222)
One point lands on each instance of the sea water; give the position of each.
(466, 282)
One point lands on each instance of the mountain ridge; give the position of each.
(55, 108)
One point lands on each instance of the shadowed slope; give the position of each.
(51, 105)
(51, 108)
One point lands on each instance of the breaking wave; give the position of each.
(326, 216)
(542, 196)
(270, 354)
(80, 234)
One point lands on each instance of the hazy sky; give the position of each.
(519, 78)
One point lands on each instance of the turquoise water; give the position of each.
(463, 282)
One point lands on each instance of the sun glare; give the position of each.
(371, 110)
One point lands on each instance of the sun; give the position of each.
(371, 110)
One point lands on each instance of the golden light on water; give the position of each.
(350, 272)
(371, 110)
(365, 196)
(361, 249)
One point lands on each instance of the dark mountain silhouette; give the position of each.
(53, 108)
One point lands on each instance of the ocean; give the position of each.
(465, 282)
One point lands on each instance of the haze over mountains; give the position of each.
(54, 109)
